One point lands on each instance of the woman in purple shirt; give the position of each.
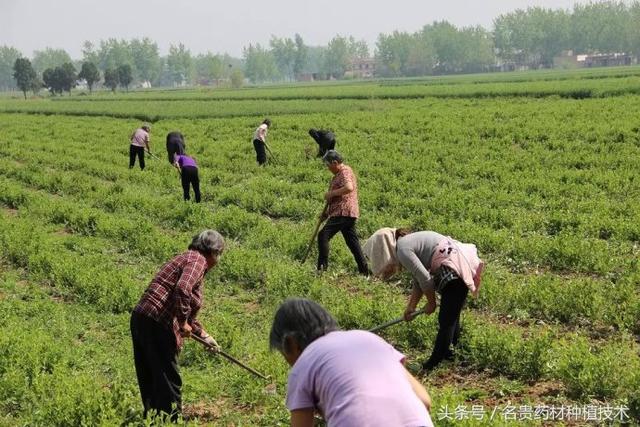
(189, 174)
(352, 378)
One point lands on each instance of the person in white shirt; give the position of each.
(260, 140)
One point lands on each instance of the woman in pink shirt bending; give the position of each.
(351, 378)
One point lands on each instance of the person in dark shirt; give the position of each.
(175, 145)
(325, 139)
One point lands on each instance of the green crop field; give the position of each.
(540, 170)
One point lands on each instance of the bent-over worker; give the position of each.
(188, 169)
(165, 315)
(175, 145)
(380, 251)
(444, 265)
(325, 139)
(352, 378)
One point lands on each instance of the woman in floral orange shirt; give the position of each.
(342, 212)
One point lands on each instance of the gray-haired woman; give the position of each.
(164, 316)
(352, 378)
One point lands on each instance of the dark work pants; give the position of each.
(156, 359)
(189, 176)
(134, 151)
(452, 299)
(347, 226)
(261, 153)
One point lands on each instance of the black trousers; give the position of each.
(134, 151)
(261, 153)
(156, 358)
(347, 226)
(189, 177)
(452, 299)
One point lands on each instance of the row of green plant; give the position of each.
(574, 300)
(499, 199)
(572, 84)
(607, 372)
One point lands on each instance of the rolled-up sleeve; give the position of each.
(412, 263)
(192, 273)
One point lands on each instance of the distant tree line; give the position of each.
(531, 38)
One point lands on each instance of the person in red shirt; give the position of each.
(341, 213)
(165, 315)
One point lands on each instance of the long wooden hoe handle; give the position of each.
(231, 359)
(315, 233)
(396, 321)
(271, 153)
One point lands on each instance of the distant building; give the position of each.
(361, 68)
(608, 60)
(568, 60)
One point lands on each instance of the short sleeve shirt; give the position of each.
(355, 378)
(261, 133)
(185, 161)
(140, 137)
(346, 205)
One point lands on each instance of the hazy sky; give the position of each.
(228, 25)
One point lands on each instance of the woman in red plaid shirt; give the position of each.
(165, 315)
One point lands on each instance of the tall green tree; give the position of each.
(337, 57)
(422, 56)
(89, 53)
(533, 36)
(301, 55)
(477, 54)
(24, 74)
(111, 78)
(69, 76)
(125, 75)
(36, 85)
(601, 27)
(52, 80)
(237, 78)
(393, 52)
(210, 68)
(146, 59)
(315, 59)
(89, 72)
(259, 64)
(49, 58)
(284, 53)
(8, 56)
(358, 49)
(180, 64)
(634, 33)
(113, 53)
(447, 44)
